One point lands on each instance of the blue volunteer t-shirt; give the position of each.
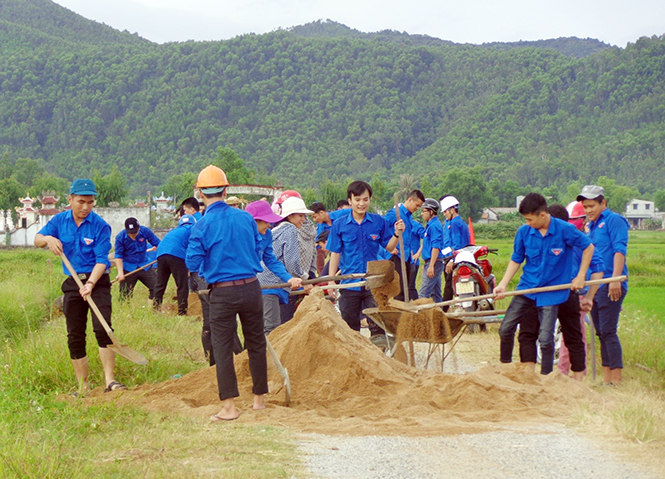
(456, 234)
(549, 259)
(224, 245)
(175, 242)
(405, 216)
(85, 245)
(132, 252)
(609, 234)
(358, 243)
(433, 238)
(333, 215)
(417, 233)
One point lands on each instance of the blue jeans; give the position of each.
(431, 287)
(605, 315)
(536, 323)
(547, 317)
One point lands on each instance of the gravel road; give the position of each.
(543, 452)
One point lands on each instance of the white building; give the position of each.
(638, 211)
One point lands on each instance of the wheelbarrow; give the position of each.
(431, 326)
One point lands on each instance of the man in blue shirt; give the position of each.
(85, 239)
(171, 262)
(547, 245)
(224, 249)
(131, 246)
(353, 241)
(609, 233)
(432, 246)
(455, 236)
(190, 206)
(412, 204)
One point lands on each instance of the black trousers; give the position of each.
(413, 274)
(76, 314)
(246, 302)
(398, 268)
(148, 278)
(448, 292)
(198, 285)
(351, 305)
(168, 265)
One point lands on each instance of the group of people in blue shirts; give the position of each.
(555, 252)
(226, 250)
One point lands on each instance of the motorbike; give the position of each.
(472, 276)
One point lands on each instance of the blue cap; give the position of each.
(187, 220)
(83, 187)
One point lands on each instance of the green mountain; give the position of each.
(40, 22)
(325, 101)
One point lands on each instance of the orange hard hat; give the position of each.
(211, 176)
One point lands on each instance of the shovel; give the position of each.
(122, 350)
(379, 273)
(414, 309)
(135, 271)
(282, 371)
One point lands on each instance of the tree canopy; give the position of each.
(325, 102)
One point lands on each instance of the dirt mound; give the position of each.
(341, 383)
(193, 306)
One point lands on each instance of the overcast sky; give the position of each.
(472, 21)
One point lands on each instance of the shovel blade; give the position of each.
(287, 388)
(379, 273)
(128, 353)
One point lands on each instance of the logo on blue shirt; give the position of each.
(557, 251)
(374, 237)
(88, 241)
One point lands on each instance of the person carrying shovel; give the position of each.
(85, 239)
(546, 247)
(353, 241)
(224, 249)
(131, 246)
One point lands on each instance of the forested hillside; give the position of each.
(305, 107)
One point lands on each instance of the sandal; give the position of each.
(114, 386)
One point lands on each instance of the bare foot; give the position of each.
(228, 412)
(259, 403)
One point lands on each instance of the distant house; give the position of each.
(491, 215)
(638, 211)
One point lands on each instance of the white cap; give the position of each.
(294, 205)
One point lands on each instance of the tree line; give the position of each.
(317, 109)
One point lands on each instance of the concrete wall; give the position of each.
(24, 236)
(116, 218)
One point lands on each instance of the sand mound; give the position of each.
(341, 383)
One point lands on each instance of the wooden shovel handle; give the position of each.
(135, 271)
(405, 280)
(320, 279)
(92, 304)
(520, 292)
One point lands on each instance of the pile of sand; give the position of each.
(341, 383)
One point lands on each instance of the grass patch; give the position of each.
(42, 436)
